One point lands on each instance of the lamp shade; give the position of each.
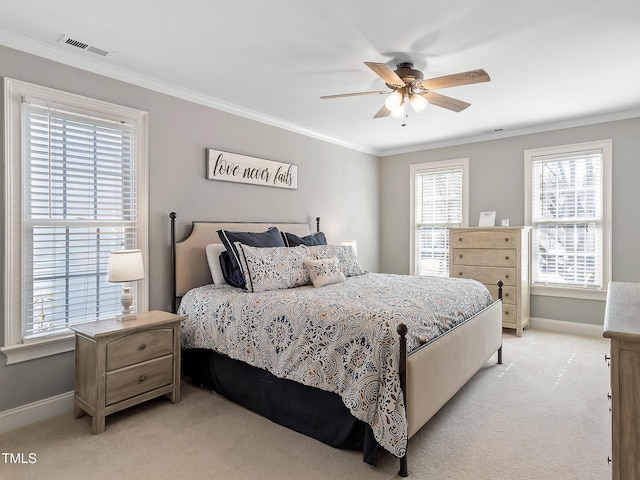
(125, 266)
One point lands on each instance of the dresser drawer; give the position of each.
(139, 347)
(483, 239)
(509, 315)
(486, 275)
(509, 294)
(138, 379)
(498, 257)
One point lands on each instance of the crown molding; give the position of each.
(72, 59)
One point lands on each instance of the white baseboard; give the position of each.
(36, 411)
(562, 326)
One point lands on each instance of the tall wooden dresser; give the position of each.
(492, 254)
(622, 326)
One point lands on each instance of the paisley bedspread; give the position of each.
(341, 338)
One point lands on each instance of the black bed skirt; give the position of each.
(313, 412)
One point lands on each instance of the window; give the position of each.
(76, 182)
(439, 193)
(568, 205)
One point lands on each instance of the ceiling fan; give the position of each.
(408, 86)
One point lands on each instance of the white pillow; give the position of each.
(213, 258)
(324, 272)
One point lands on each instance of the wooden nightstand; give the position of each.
(121, 364)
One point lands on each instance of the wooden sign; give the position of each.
(232, 167)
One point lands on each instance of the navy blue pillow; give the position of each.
(292, 240)
(230, 264)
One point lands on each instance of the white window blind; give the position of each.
(567, 219)
(438, 206)
(79, 203)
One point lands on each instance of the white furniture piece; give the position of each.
(492, 254)
(622, 326)
(121, 364)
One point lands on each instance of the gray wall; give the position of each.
(497, 183)
(338, 184)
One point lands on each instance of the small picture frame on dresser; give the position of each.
(487, 219)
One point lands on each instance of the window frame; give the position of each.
(14, 346)
(573, 291)
(416, 168)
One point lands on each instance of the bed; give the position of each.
(389, 369)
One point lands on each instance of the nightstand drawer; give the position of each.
(139, 347)
(138, 379)
(483, 239)
(498, 257)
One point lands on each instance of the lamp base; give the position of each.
(125, 317)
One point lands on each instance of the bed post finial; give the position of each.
(317, 224)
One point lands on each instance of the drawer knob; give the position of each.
(506, 276)
(142, 378)
(506, 312)
(142, 346)
(460, 273)
(507, 257)
(460, 256)
(506, 239)
(459, 239)
(506, 294)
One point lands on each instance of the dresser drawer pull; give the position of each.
(460, 274)
(142, 378)
(460, 256)
(507, 312)
(506, 276)
(506, 239)
(459, 239)
(142, 346)
(506, 294)
(507, 257)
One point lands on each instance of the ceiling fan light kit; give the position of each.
(408, 83)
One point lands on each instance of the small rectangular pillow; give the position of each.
(324, 272)
(347, 259)
(233, 272)
(273, 268)
(292, 240)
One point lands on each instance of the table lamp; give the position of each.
(126, 266)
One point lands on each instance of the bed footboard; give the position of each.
(434, 373)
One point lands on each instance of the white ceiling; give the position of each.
(552, 62)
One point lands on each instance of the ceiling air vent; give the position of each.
(72, 42)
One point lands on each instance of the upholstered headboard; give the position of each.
(189, 262)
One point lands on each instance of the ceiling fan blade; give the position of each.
(383, 112)
(341, 95)
(445, 102)
(385, 73)
(455, 80)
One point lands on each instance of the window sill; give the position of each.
(568, 292)
(33, 349)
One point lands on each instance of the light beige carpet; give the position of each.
(543, 414)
